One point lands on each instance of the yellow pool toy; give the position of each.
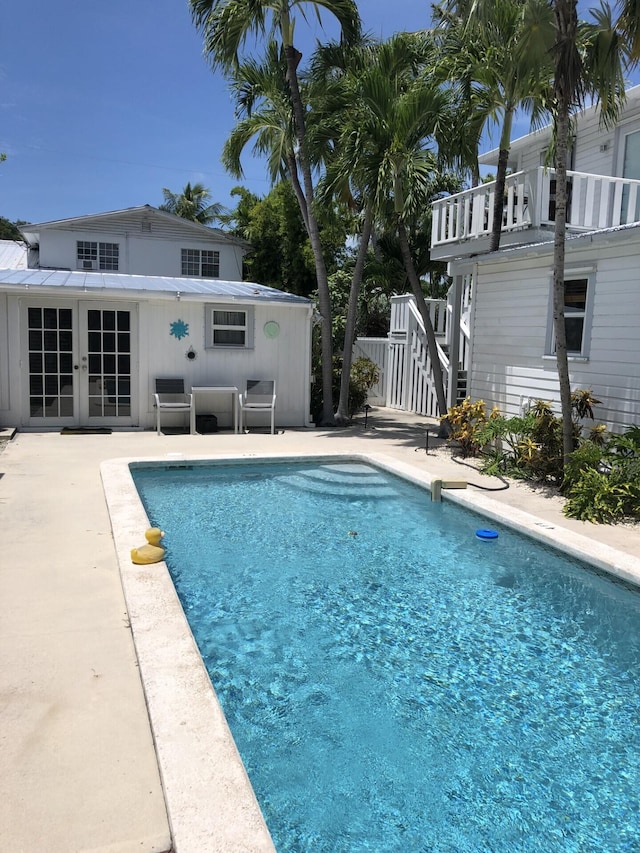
(151, 553)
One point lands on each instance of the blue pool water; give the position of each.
(393, 682)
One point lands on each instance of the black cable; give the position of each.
(477, 485)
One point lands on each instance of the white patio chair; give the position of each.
(170, 396)
(259, 396)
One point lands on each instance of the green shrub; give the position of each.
(364, 375)
(603, 497)
(602, 481)
(468, 422)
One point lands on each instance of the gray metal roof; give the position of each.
(13, 254)
(77, 280)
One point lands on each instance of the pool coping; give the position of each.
(209, 798)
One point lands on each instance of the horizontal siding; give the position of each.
(511, 315)
(283, 358)
(591, 137)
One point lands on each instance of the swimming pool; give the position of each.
(500, 708)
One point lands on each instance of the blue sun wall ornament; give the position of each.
(179, 329)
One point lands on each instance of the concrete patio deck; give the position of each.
(79, 767)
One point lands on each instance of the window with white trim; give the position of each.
(92, 255)
(201, 263)
(229, 326)
(578, 298)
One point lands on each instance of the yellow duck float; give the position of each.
(153, 552)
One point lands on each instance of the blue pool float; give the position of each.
(487, 534)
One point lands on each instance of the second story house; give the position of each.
(499, 333)
(136, 241)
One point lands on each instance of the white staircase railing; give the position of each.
(404, 360)
(409, 367)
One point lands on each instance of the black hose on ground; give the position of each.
(477, 485)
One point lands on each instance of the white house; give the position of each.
(501, 302)
(94, 309)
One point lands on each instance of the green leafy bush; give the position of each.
(364, 375)
(602, 481)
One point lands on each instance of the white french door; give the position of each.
(80, 359)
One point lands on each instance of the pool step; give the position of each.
(341, 481)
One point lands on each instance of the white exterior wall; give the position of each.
(510, 326)
(157, 353)
(597, 150)
(285, 358)
(139, 254)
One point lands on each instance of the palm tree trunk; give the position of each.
(297, 189)
(567, 20)
(292, 57)
(342, 415)
(501, 179)
(414, 281)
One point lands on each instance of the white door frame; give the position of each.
(75, 399)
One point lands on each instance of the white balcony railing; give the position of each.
(594, 202)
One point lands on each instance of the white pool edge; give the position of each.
(210, 801)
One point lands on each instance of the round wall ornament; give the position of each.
(271, 329)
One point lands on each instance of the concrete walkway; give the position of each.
(79, 768)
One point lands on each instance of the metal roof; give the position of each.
(144, 284)
(13, 254)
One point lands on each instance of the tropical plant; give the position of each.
(496, 54)
(280, 254)
(227, 25)
(468, 422)
(387, 156)
(588, 61)
(364, 375)
(193, 204)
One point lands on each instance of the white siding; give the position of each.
(512, 300)
(139, 254)
(284, 358)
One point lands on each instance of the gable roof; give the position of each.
(73, 281)
(120, 219)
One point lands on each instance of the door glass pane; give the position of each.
(50, 316)
(109, 363)
(51, 376)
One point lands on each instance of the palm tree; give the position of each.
(226, 26)
(385, 155)
(192, 204)
(496, 51)
(588, 64)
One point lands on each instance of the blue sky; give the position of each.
(104, 103)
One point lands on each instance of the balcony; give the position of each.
(462, 223)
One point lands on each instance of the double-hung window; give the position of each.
(92, 255)
(229, 326)
(578, 299)
(201, 263)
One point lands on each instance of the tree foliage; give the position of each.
(10, 230)
(193, 203)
